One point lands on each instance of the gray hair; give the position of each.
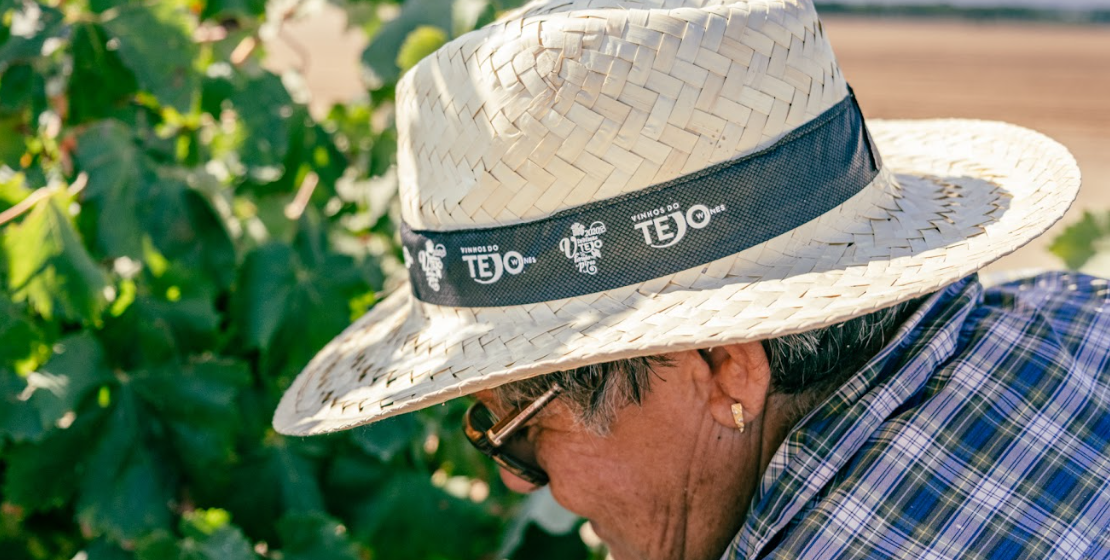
(594, 393)
(809, 365)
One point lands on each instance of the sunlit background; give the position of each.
(1043, 64)
(196, 195)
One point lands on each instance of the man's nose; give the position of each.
(515, 483)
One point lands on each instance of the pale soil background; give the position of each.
(1054, 78)
(1050, 77)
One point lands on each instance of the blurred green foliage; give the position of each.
(178, 237)
(1085, 244)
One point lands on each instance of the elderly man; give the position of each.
(659, 245)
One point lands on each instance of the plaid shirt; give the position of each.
(981, 431)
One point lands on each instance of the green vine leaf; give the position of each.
(275, 480)
(102, 549)
(19, 86)
(380, 56)
(154, 329)
(385, 439)
(392, 521)
(18, 421)
(46, 475)
(187, 230)
(32, 25)
(49, 267)
(77, 367)
(421, 42)
(95, 61)
(266, 285)
(469, 14)
(13, 190)
(1079, 242)
(13, 133)
(208, 535)
(25, 342)
(265, 109)
(225, 233)
(108, 154)
(155, 42)
(126, 491)
(314, 536)
(292, 299)
(196, 403)
(222, 9)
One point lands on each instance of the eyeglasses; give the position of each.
(495, 438)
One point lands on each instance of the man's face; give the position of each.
(668, 482)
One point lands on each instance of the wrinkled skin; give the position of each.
(674, 477)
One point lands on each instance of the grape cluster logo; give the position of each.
(584, 246)
(431, 262)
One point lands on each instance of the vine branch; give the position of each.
(41, 193)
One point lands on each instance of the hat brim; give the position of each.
(965, 193)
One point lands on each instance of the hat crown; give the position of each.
(565, 103)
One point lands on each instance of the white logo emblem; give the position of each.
(431, 262)
(583, 246)
(487, 265)
(407, 256)
(664, 227)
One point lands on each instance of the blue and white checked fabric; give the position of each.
(982, 431)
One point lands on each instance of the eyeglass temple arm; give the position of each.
(502, 429)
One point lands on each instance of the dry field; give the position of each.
(1050, 77)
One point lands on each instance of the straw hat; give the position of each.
(589, 180)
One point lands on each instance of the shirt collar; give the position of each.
(822, 442)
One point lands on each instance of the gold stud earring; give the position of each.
(738, 416)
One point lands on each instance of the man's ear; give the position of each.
(738, 373)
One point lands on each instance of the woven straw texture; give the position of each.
(547, 111)
(562, 104)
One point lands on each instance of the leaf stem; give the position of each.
(34, 198)
(295, 209)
